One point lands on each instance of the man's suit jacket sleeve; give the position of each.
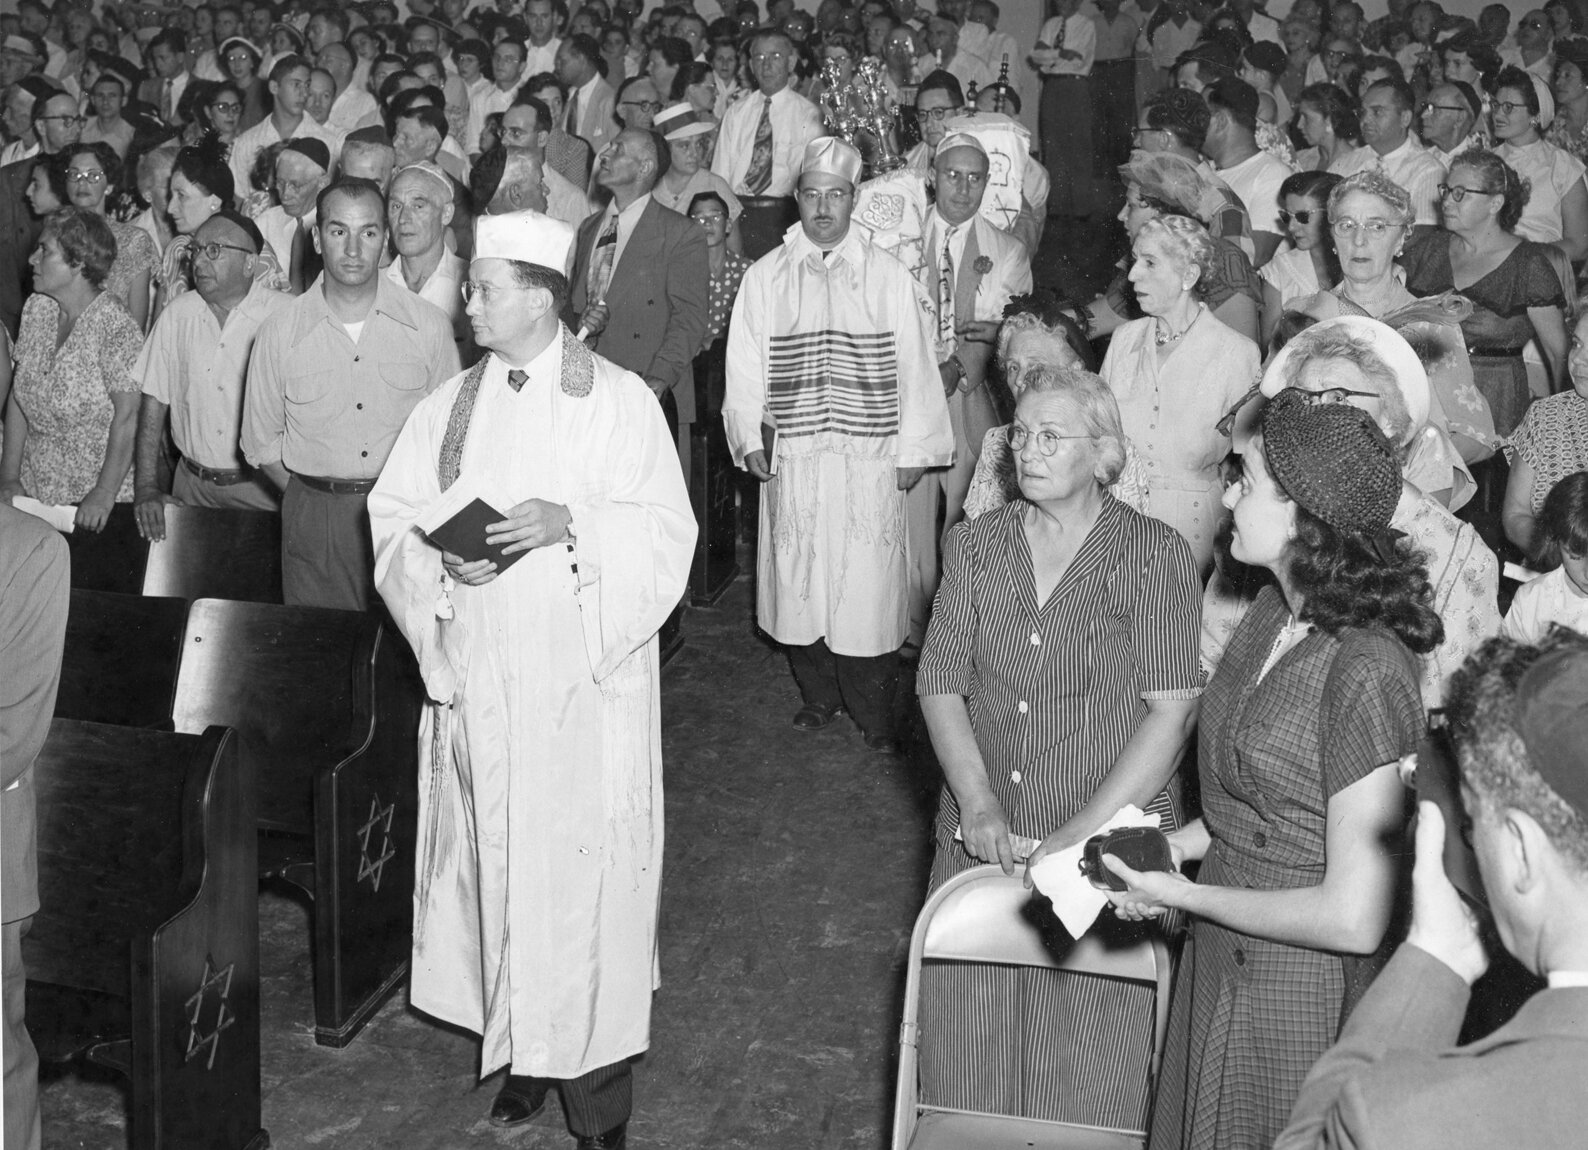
(1416, 1005)
(688, 289)
(580, 274)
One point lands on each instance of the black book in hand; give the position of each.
(456, 522)
(464, 536)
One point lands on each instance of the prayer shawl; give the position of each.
(838, 354)
(542, 740)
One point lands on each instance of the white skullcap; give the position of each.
(830, 156)
(960, 140)
(1384, 341)
(526, 236)
(433, 170)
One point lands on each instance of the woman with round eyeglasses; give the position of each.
(241, 61)
(1370, 217)
(217, 112)
(637, 103)
(1059, 682)
(92, 171)
(1309, 264)
(1557, 210)
(1176, 373)
(1569, 129)
(1512, 283)
(1327, 120)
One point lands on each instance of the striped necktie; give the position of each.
(759, 177)
(601, 261)
(945, 291)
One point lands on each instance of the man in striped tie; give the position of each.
(764, 135)
(832, 344)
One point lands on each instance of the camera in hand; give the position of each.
(1140, 848)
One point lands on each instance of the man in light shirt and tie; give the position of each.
(763, 136)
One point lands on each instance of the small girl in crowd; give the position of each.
(1561, 596)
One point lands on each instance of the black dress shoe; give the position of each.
(812, 717)
(614, 1139)
(521, 1099)
(882, 744)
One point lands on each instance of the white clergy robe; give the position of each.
(838, 354)
(540, 853)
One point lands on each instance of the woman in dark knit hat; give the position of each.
(1314, 702)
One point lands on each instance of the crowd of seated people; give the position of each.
(1336, 378)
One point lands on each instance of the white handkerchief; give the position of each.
(1075, 900)
(62, 518)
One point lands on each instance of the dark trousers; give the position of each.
(864, 686)
(327, 559)
(1113, 113)
(597, 1100)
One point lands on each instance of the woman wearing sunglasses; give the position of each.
(1309, 264)
(1557, 210)
(1515, 289)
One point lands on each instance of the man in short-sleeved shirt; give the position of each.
(332, 379)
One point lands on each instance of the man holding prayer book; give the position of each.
(549, 473)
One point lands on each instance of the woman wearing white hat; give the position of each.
(1557, 211)
(688, 132)
(1369, 365)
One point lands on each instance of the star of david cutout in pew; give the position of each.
(197, 1040)
(381, 817)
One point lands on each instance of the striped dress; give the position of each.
(1251, 1016)
(1054, 691)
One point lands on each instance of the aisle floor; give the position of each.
(794, 866)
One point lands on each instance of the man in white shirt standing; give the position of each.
(418, 212)
(543, 18)
(1389, 147)
(1251, 173)
(764, 135)
(352, 103)
(1066, 48)
(507, 59)
(289, 90)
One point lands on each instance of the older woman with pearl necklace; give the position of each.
(1175, 372)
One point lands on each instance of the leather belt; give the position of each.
(1495, 352)
(215, 475)
(336, 486)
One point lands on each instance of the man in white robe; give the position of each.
(541, 743)
(832, 343)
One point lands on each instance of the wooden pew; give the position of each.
(209, 553)
(121, 658)
(326, 707)
(112, 559)
(144, 955)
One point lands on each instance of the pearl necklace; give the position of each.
(1163, 340)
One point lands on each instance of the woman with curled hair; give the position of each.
(93, 171)
(1327, 119)
(1569, 129)
(1175, 373)
(1513, 284)
(1370, 217)
(1301, 729)
(1164, 183)
(72, 415)
(1557, 210)
(1036, 335)
(1059, 682)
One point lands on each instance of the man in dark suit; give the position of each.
(1396, 1078)
(641, 279)
(34, 582)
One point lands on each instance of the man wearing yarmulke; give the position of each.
(1519, 715)
(540, 846)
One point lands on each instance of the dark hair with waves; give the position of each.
(1344, 581)
(1500, 179)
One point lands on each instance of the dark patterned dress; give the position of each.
(1054, 693)
(1251, 1016)
(1498, 328)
